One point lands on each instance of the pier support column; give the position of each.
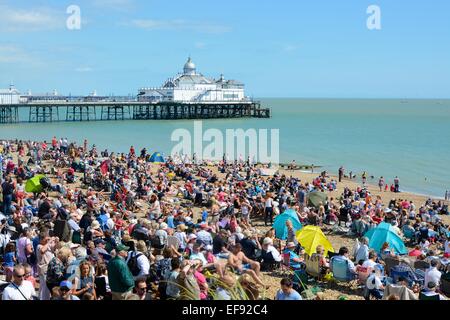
(43, 113)
(9, 114)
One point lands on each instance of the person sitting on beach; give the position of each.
(323, 261)
(374, 285)
(295, 261)
(344, 255)
(241, 264)
(386, 251)
(269, 255)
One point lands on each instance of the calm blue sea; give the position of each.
(407, 138)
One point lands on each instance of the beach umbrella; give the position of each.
(279, 224)
(317, 199)
(310, 237)
(34, 184)
(157, 157)
(384, 232)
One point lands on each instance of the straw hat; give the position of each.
(95, 224)
(267, 241)
(247, 233)
(163, 226)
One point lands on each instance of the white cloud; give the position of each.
(290, 48)
(32, 19)
(200, 45)
(114, 4)
(13, 54)
(84, 69)
(179, 24)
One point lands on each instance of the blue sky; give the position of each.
(277, 48)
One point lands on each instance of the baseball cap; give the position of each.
(122, 247)
(98, 241)
(65, 284)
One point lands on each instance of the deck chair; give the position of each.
(341, 271)
(445, 284)
(173, 241)
(285, 266)
(434, 297)
(313, 266)
(394, 274)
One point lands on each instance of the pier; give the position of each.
(73, 109)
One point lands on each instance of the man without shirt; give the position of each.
(242, 264)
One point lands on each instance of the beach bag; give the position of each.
(306, 293)
(133, 263)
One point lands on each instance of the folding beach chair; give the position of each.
(286, 264)
(313, 266)
(433, 297)
(341, 270)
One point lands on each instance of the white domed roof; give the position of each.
(189, 67)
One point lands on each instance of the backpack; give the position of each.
(133, 263)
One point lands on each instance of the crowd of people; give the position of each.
(102, 226)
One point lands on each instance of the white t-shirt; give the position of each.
(432, 275)
(269, 203)
(12, 293)
(369, 264)
(275, 254)
(447, 246)
(371, 284)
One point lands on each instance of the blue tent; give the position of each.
(279, 224)
(157, 158)
(384, 232)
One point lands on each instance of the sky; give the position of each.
(295, 48)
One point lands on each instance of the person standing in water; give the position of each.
(341, 173)
(396, 184)
(381, 183)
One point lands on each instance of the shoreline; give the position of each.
(310, 175)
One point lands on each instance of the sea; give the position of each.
(405, 138)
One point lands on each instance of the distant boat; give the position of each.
(404, 101)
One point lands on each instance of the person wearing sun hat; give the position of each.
(120, 277)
